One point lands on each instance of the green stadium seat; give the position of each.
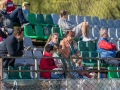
(40, 33)
(48, 19)
(13, 75)
(40, 20)
(32, 18)
(57, 30)
(91, 45)
(47, 30)
(119, 72)
(93, 54)
(85, 61)
(112, 74)
(29, 32)
(82, 46)
(25, 75)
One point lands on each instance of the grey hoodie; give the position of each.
(65, 25)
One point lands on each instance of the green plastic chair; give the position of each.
(91, 45)
(57, 30)
(25, 75)
(32, 18)
(48, 19)
(82, 46)
(40, 33)
(93, 54)
(29, 32)
(112, 74)
(13, 75)
(40, 20)
(47, 30)
(85, 61)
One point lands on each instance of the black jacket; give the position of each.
(9, 46)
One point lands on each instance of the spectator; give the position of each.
(53, 39)
(6, 24)
(12, 46)
(80, 30)
(58, 53)
(10, 6)
(68, 44)
(106, 48)
(79, 66)
(49, 64)
(3, 34)
(25, 8)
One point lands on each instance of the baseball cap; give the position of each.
(25, 3)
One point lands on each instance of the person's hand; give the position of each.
(8, 55)
(23, 52)
(2, 29)
(59, 65)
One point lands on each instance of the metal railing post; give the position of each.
(36, 68)
(98, 68)
(1, 74)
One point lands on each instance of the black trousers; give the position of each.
(118, 54)
(8, 62)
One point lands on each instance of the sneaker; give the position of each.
(86, 39)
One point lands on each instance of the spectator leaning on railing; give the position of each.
(12, 46)
(81, 29)
(107, 49)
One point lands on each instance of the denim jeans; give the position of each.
(57, 76)
(18, 16)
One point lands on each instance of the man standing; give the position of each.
(12, 46)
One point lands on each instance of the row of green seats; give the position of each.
(87, 46)
(113, 74)
(19, 75)
(40, 19)
(92, 62)
(37, 32)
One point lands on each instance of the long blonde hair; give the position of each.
(51, 37)
(2, 4)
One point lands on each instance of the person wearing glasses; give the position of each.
(107, 49)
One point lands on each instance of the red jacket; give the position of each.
(10, 6)
(47, 64)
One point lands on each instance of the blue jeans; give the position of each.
(18, 16)
(57, 76)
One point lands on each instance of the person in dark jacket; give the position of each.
(12, 46)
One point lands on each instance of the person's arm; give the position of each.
(46, 65)
(10, 49)
(64, 51)
(105, 45)
(68, 24)
(114, 47)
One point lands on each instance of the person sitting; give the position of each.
(79, 66)
(49, 64)
(68, 44)
(58, 53)
(53, 39)
(80, 30)
(10, 6)
(25, 8)
(12, 46)
(15, 16)
(106, 48)
(6, 23)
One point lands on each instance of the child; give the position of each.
(57, 53)
(79, 66)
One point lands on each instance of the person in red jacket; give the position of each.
(48, 63)
(10, 6)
